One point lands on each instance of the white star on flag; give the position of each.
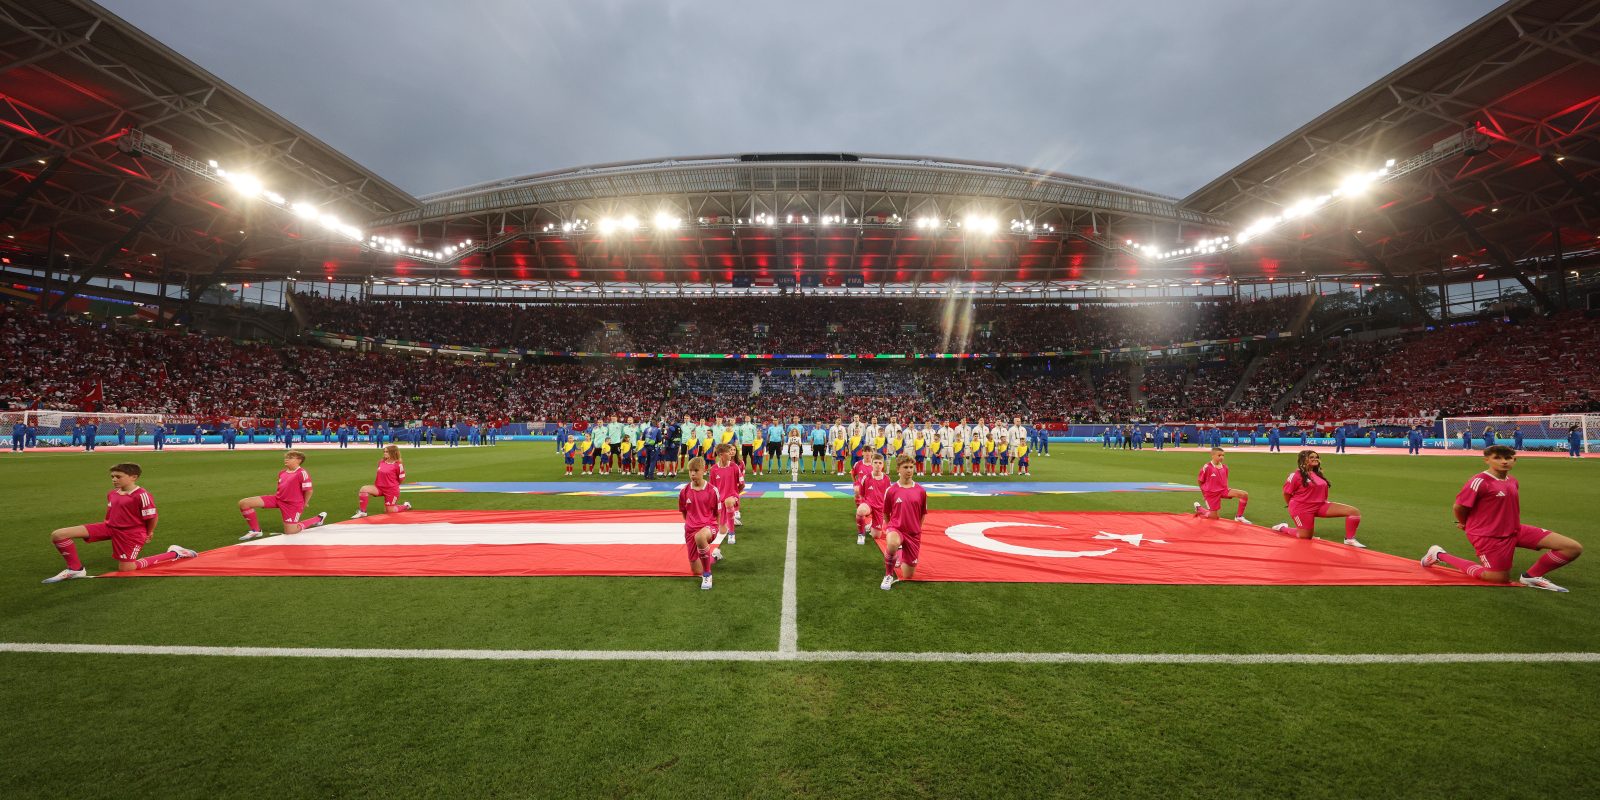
(1131, 538)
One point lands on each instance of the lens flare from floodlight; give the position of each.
(247, 185)
(607, 225)
(666, 222)
(305, 210)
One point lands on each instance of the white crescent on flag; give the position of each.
(975, 534)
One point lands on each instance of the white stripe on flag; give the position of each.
(447, 533)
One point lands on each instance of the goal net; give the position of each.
(1539, 432)
(53, 428)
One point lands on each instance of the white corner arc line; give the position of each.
(788, 628)
(808, 656)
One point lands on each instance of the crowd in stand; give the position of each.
(801, 324)
(1213, 382)
(1278, 372)
(1536, 366)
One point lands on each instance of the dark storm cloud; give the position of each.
(1159, 95)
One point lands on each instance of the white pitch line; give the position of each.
(807, 656)
(788, 630)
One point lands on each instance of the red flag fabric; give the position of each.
(1149, 548)
(93, 393)
(460, 543)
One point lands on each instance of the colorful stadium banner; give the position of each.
(346, 341)
(1149, 548)
(459, 543)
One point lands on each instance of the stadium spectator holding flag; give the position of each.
(392, 473)
(1489, 509)
(130, 521)
(291, 499)
(1305, 492)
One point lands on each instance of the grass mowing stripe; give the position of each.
(806, 656)
(788, 631)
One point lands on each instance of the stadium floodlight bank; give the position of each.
(1539, 431)
(54, 428)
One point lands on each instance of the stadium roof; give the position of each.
(75, 77)
(126, 150)
(1499, 129)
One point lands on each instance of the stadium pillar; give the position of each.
(110, 252)
(1558, 269)
(193, 291)
(49, 267)
(33, 186)
(1444, 296)
(1495, 254)
(1572, 182)
(1370, 257)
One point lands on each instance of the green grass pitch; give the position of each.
(191, 726)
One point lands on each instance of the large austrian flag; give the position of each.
(1148, 548)
(460, 543)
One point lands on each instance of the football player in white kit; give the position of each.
(947, 449)
(1016, 437)
(794, 449)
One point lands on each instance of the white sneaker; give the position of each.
(888, 583)
(861, 538)
(716, 555)
(1539, 583)
(251, 535)
(1351, 540)
(66, 575)
(321, 519)
(183, 552)
(406, 506)
(1432, 556)
(1282, 527)
(731, 540)
(738, 518)
(705, 582)
(359, 515)
(1243, 520)
(1197, 509)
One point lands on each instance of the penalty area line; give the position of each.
(814, 656)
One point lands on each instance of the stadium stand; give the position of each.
(800, 324)
(1501, 367)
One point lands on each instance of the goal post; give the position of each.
(57, 428)
(1549, 432)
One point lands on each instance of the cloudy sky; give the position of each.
(1161, 94)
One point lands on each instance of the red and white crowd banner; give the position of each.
(1148, 548)
(460, 543)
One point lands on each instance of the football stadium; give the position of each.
(1056, 486)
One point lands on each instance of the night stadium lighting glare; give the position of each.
(977, 224)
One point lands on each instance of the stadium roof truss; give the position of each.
(735, 217)
(1511, 107)
(112, 132)
(74, 79)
